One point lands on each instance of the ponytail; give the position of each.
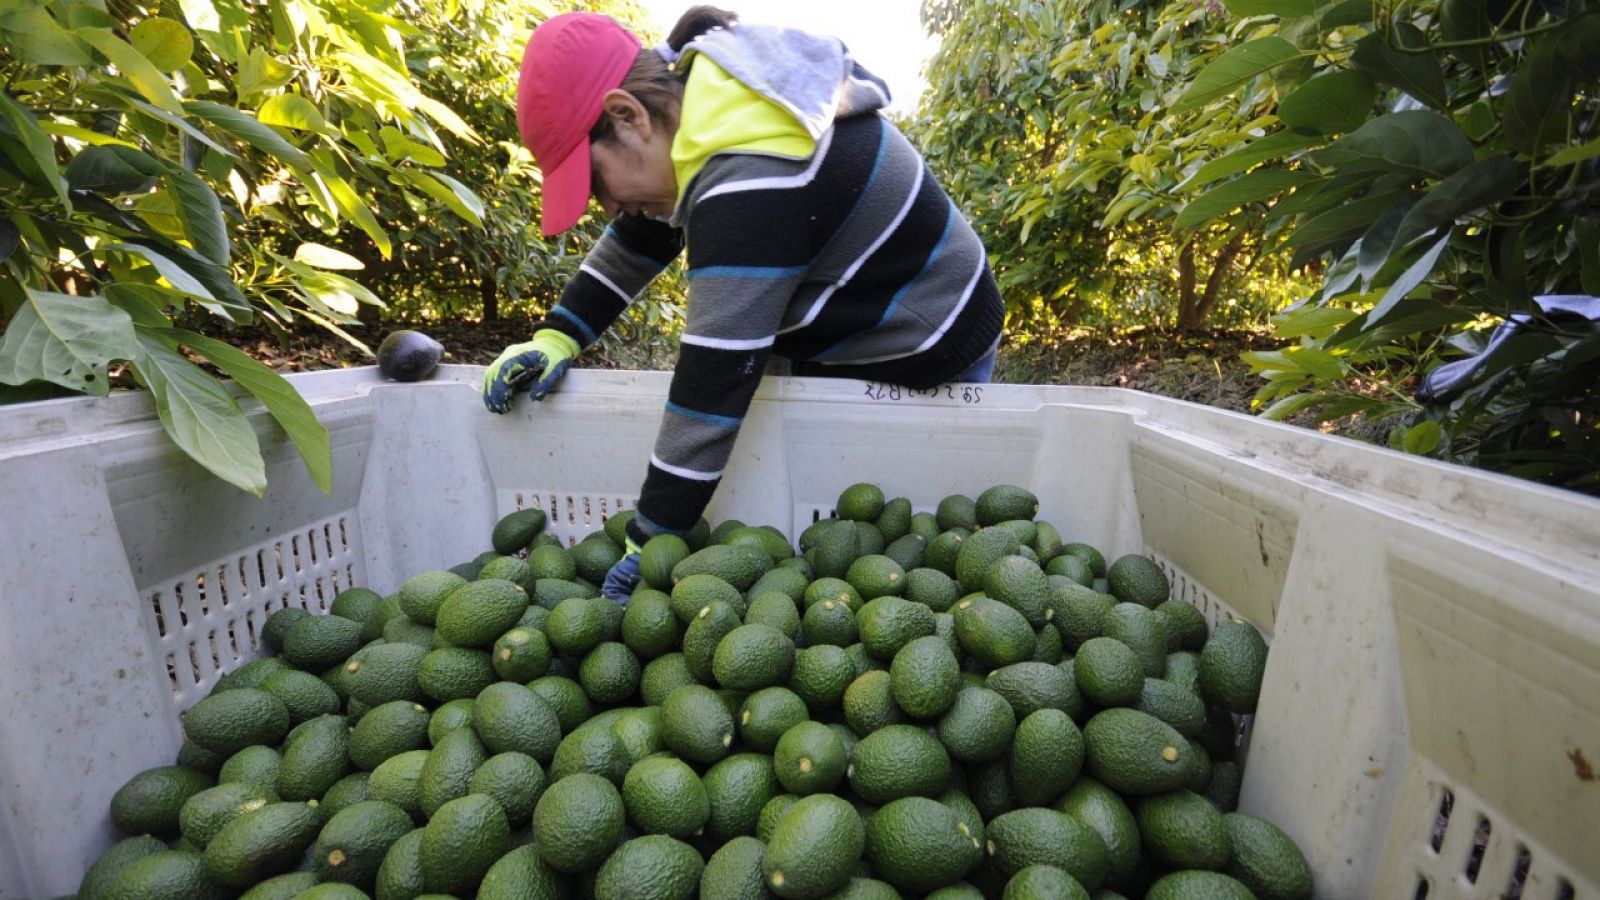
(697, 20)
(658, 89)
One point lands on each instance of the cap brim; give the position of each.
(566, 192)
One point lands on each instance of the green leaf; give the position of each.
(165, 42)
(201, 214)
(1413, 142)
(37, 153)
(202, 418)
(246, 128)
(1418, 74)
(1233, 68)
(1411, 316)
(352, 206)
(77, 133)
(1285, 407)
(1408, 280)
(1575, 154)
(1480, 185)
(1347, 12)
(1338, 227)
(1463, 20)
(112, 170)
(145, 303)
(139, 71)
(278, 396)
(176, 275)
(330, 294)
(1260, 150)
(1283, 9)
(1422, 438)
(65, 340)
(1330, 104)
(292, 111)
(1317, 321)
(1262, 184)
(456, 196)
(34, 37)
(323, 257)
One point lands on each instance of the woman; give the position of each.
(814, 231)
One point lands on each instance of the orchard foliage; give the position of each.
(172, 170)
(1442, 162)
(1050, 124)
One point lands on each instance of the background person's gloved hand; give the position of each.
(624, 576)
(534, 365)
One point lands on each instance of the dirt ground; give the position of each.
(1203, 367)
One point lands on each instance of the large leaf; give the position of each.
(1482, 184)
(352, 206)
(457, 197)
(292, 111)
(1338, 227)
(1330, 104)
(1413, 142)
(1234, 68)
(1535, 109)
(1379, 240)
(1272, 146)
(36, 38)
(1413, 275)
(1262, 184)
(324, 257)
(246, 128)
(200, 415)
(139, 71)
(278, 396)
(208, 283)
(165, 42)
(1418, 74)
(112, 170)
(201, 213)
(35, 154)
(65, 340)
(1575, 154)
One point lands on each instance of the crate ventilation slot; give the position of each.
(207, 621)
(571, 516)
(1466, 851)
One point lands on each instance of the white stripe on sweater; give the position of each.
(716, 343)
(626, 297)
(822, 298)
(681, 472)
(933, 338)
(776, 182)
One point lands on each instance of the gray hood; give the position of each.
(810, 75)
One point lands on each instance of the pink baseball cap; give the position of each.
(571, 61)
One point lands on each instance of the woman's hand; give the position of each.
(534, 365)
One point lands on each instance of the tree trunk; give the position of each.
(1186, 307)
(490, 297)
(1219, 274)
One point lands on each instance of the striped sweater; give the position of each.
(853, 263)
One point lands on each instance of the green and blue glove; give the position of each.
(624, 576)
(534, 365)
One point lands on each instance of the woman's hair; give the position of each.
(656, 86)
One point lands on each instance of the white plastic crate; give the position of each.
(1430, 722)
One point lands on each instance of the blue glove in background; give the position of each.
(535, 365)
(623, 577)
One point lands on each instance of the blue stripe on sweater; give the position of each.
(708, 418)
(951, 214)
(569, 315)
(764, 273)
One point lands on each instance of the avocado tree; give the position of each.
(1050, 125)
(1441, 161)
(168, 173)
